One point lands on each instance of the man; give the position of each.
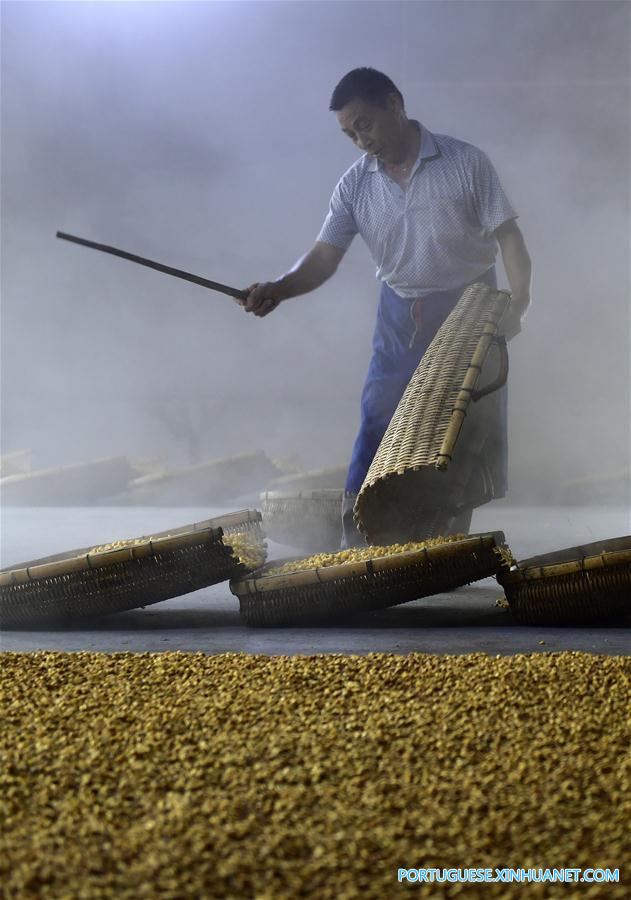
(432, 211)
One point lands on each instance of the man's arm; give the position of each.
(518, 271)
(312, 270)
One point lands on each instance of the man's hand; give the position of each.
(309, 273)
(263, 298)
(510, 326)
(519, 273)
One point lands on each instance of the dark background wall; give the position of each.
(199, 134)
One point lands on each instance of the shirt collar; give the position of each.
(428, 149)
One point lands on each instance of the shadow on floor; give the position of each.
(407, 617)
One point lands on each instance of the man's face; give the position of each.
(373, 129)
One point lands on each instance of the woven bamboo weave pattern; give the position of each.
(245, 520)
(319, 595)
(308, 519)
(82, 583)
(579, 585)
(111, 589)
(402, 481)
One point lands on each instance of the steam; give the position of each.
(198, 134)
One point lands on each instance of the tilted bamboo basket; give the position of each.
(213, 482)
(427, 467)
(331, 592)
(578, 585)
(306, 519)
(91, 582)
(16, 463)
(72, 485)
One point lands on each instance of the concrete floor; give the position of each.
(461, 621)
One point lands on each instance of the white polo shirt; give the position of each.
(437, 234)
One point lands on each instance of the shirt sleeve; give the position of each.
(490, 200)
(339, 227)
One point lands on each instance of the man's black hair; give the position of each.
(363, 84)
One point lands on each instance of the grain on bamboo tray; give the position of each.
(428, 467)
(130, 573)
(307, 519)
(578, 585)
(329, 586)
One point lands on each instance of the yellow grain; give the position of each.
(186, 776)
(251, 551)
(359, 554)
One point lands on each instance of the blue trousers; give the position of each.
(392, 365)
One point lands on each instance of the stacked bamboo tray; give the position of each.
(579, 585)
(216, 481)
(72, 485)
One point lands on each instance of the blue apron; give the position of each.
(397, 350)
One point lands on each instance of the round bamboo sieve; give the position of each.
(430, 463)
(306, 519)
(90, 582)
(332, 478)
(578, 585)
(331, 592)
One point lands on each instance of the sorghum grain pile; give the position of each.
(182, 775)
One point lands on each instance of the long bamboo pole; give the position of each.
(159, 267)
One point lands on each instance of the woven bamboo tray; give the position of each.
(331, 592)
(149, 465)
(72, 485)
(16, 463)
(333, 478)
(211, 483)
(417, 477)
(578, 585)
(81, 583)
(307, 519)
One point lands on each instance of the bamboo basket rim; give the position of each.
(14, 454)
(316, 494)
(290, 478)
(260, 583)
(208, 465)
(34, 474)
(536, 568)
(206, 531)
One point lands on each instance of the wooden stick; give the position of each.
(168, 270)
